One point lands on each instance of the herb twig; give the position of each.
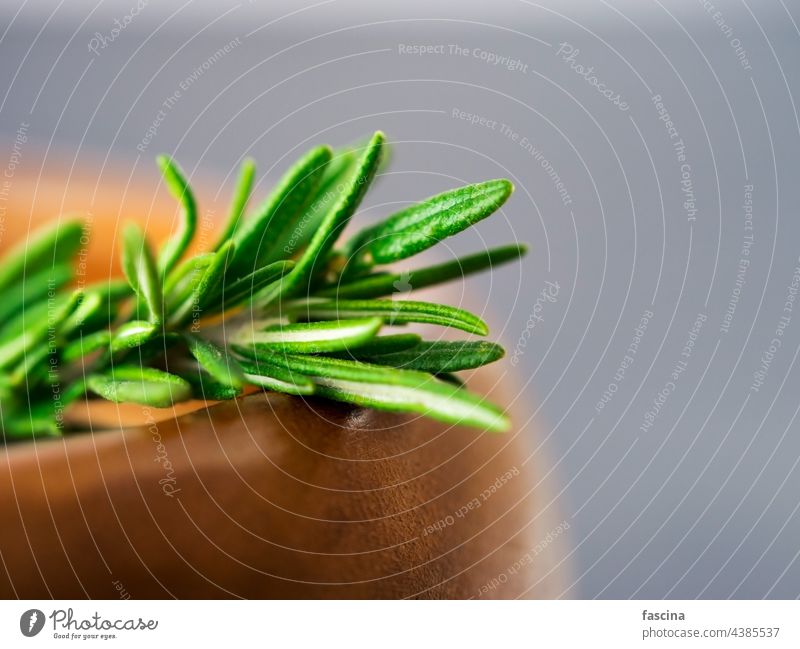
(302, 312)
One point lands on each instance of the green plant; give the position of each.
(276, 302)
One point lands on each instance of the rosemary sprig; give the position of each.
(276, 302)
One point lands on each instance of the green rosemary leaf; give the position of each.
(436, 399)
(140, 271)
(89, 306)
(143, 385)
(182, 281)
(386, 345)
(210, 281)
(275, 377)
(73, 391)
(206, 387)
(392, 311)
(32, 313)
(244, 289)
(421, 226)
(381, 284)
(330, 346)
(33, 288)
(439, 357)
(50, 246)
(387, 152)
(85, 345)
(32, 368)
(111, 291)
(133, 334)
(313, 337)
(393, 389)
(178, 186)
(241, 196)
(331, 186)
(98, 309)
(214, 276)
(334, 182)
(223, 368)
(334, 222)
(255, 236)
(36, 331)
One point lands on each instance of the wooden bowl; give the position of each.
(267, 496)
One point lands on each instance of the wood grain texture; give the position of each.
(273, 497)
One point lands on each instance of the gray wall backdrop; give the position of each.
(654, 147)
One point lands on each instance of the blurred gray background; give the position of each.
(654, 148)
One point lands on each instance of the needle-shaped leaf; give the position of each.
(35, 287)
(88, 307)
(386, 345)
(32, 368)
(140, 271)
(51, 245)
(381, 284)
(98, 309)
(74, 391)
(392, 311)
(179, 187)
(245, 289)
(334, 222)
(222, 367)
(312, 337)
(181, 281)
(31, 314)
(276, 377)
(441, 356)
(255, 236)
(112, 291)
(204, 386)
(393, 389)
(144, 385)
(210, 281)
(241, 196)
(85, 345)
(331, 186)
(133, 334)
(38, 330)
(421, 226)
